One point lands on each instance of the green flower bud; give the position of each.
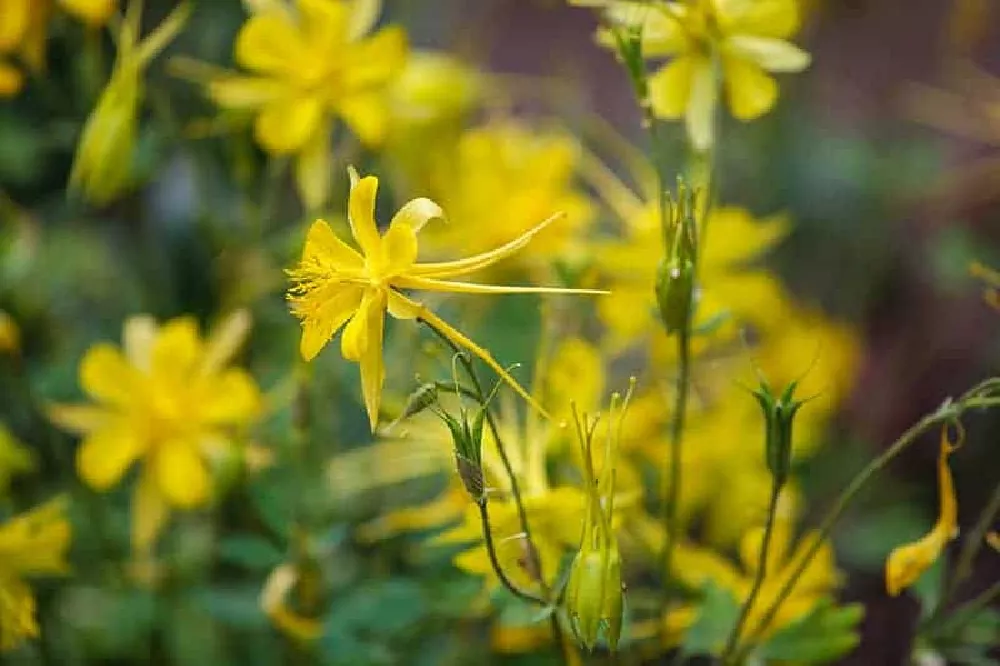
(594, 595)
(779, 414)
(467, 436)
(675, 276)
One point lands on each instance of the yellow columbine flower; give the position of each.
(102, 164)
(508, 171)
(170, 401)
(906, 563)
(15, 458)
(307, 65)
(22, 35)
(94, 13)
(335, 286)
(713, 44)
(31, 544)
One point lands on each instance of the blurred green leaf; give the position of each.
(250, 551)
(233, 606)
(718, 615)
(380, 608)
(827, 633)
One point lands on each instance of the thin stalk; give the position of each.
(512, 587)
(967, 555)
(758, 581)
(967, 611)
(671, 484)
(949, 411)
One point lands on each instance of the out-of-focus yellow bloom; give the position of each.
(274, 601)
(32, 544)
(10, 334)
(993, 539)
(991, 283)
(22, 36)
(713, 44)
(308, 64)
(15, 458)
(171, 401)
(502, 179)
(102, 164)
(335, 286)
(94, 13)
(906, 563)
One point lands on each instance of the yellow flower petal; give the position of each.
(766, 18)
(399, 249)
(314, 168)
(246, 92)
(361, 215)
(34, 543)
(79, 419)
(700, 117)
(364, 16)
(232, 398)
(104, 456)
(374, 61)
(416, 213)
(354, 342)
(13, 22)
(149, 513)
(372, 365)
(181, 474)
(432, 284)
(94, 13)
(324, 26)
(177, 351)
(224, 341)
(11, 79)
(670, 86)
(106, 376)
(329, 314)
(366, 114)
(773, 55)
(325, 249)
(749, 90)
(908, 562)
(284, 126)
(17, 614)
(270, 43)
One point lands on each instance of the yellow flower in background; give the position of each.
(32, 544)
(168, 400)
(102, 164)
(10, 334)
(94, 13)
(732, 45)
(22, 38)
(15, 458)
(503, 178)
(309, 64)
(335, 286)
(906, 563)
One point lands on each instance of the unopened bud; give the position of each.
(675, 276)
(468, 440)
(594, 596)
(779, 414)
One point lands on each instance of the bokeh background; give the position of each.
(883, 155)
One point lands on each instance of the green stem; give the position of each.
(758, 581)
(524, 595)
(970, 548)
(671, 485)
(949, 411)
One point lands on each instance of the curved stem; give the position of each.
(758, 581)
(484, 516)
(948, 411)
(671, 485)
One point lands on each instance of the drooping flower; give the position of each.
(32, 544)
(309, 64)
(711, 45)
(102, 164)
(906, 563)
(171, 402)
(336, 286)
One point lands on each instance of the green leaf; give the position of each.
(236, 607)
(827, 633)
(719, 612)
(251, 552)
(381, 608)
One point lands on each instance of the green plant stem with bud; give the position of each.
(515, 490)
(979, 397)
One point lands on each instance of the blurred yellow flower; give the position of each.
(306, 65)
(32, 544)
(94, 13)
(15, 458)
(501, 179)
(22, 36)
(906, 563)
(335, 286)
(102, 164)
(10, 334)
(170, 401)
(713, 44)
